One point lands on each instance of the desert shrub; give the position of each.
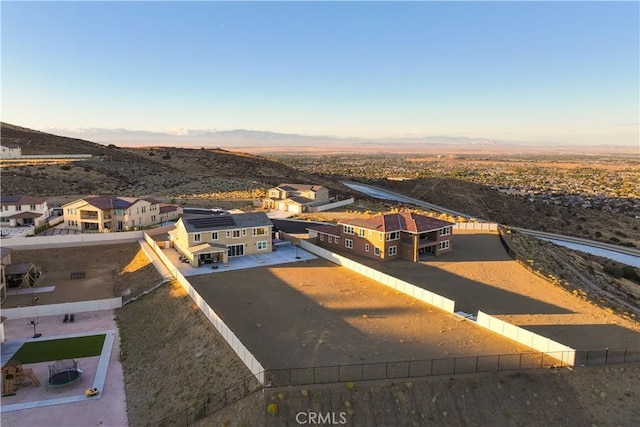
(65, 167)
(598, 234)
(166, 156)
(615, 240)
(630, 273)
(151, 153)
(613, 271)
(620, 233)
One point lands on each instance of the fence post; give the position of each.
(625, 355)
(606, 355)
(587, 362)
(477, 357)
(541, 359)
(520, 364)
(498, 362)
(455, 362)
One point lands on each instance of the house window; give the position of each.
(393, 250)
(197, 237)
(214, 235)
(444, 245)
(330, 239)
(348, 229)
(445, 231)
(32, 207)
(348, 243)
(393, 236)
(381, 236)
(321, 237)
(6, 208)
(262, 246)
(366, 247)
(259, 231)
(362, 232)
(228, 234)
(153, 218)
(18, 207)
(138, 211)
(236, 234)
(244, 232)
(376, 251)
(144, 209)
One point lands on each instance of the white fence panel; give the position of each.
(247, 358)
(66, 308)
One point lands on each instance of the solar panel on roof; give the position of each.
(212, 221)
(10, 199)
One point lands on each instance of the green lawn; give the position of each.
(65, 348)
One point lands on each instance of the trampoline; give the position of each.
(64, 372)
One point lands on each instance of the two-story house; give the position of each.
(388, 236)
(110, 213)
(295, 197)
(22, 211)
(8, 149)
(216, 238)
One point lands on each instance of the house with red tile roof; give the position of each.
(389, 236)
(100, 214)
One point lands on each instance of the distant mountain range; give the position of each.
(265, 141)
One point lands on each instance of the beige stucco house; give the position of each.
(215, 238)
(296, 197)
(110, 213)
(22, 211)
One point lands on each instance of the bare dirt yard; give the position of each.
(110, 271)
(479, 275)
(315, 313)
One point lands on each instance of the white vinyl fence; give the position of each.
(545, 345)
(490, 226)
(245, 355)
(390, 281)
(72, 239)
(64, 308)
(333, 205)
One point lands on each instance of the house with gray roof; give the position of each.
(22, 210)
(217, 237)
(100, 214)
(296, 198)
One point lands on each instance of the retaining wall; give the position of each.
(64, 308)
(390, 281)
(333, 205)
(243, 353)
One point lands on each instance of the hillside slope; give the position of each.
(140, 171)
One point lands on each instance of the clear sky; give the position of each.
(548, 71)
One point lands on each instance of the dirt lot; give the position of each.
(110, 271)
(479, 275)
(316, 313)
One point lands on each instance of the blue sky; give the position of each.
(548, 71)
